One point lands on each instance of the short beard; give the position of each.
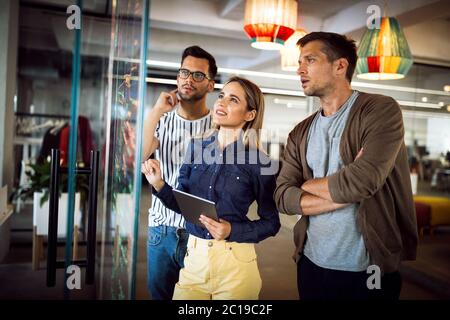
(314, 93)
(194, 98)
(320, 92)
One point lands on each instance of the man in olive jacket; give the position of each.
(345, 174)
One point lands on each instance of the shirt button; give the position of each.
(210, 187)
(210, 244)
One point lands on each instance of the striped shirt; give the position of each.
(173, 133)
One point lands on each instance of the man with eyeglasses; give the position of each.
(167, 129)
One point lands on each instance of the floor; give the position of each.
(426, 278)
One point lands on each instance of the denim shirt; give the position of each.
(232, 178)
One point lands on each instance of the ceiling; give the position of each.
(210, 22)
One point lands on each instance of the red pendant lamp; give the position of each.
(269, 23)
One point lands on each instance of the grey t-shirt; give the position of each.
(333, 239)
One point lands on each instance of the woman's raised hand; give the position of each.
(152, 171)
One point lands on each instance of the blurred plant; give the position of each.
(39, 177)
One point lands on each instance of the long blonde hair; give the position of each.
(255, 101)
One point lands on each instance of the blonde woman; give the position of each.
(228, 167)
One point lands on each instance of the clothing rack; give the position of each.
(28, 123)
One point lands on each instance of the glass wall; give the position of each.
(124, 100)
(83, 90)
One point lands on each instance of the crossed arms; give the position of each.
(382, 135)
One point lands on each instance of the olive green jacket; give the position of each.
(379, 180)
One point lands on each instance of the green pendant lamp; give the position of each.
(383, 53)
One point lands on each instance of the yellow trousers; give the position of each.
(218, 270)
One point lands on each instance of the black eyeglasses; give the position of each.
(196, 75)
